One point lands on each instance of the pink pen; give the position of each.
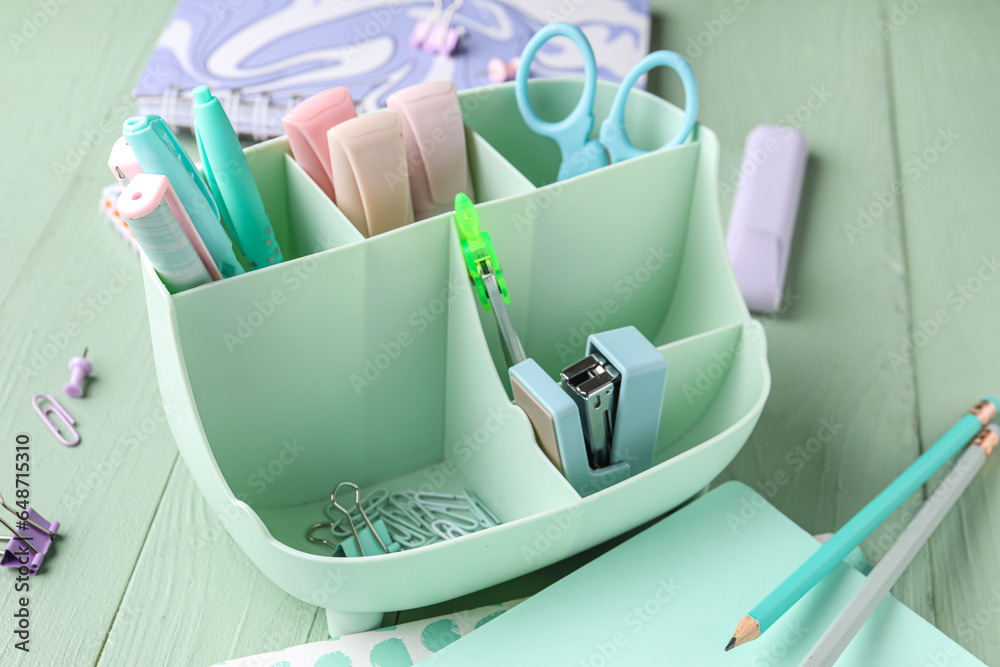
(307, 125)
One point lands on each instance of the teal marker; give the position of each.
(231, 181)
(158, 152)
(824, 559)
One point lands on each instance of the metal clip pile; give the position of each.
(418, 518)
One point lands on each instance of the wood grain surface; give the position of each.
(885, 338)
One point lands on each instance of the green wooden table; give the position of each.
(883, 342)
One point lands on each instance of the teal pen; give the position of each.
(232, 182)
(158, 152)
(824, 559)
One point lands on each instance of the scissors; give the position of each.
(579, 153)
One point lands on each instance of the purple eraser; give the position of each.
(764, 210)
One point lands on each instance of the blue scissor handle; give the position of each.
(614, 136)
(580, 154)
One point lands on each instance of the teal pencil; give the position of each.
(800, 582)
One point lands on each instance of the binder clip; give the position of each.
(67, 420)
(28, 545)
(484, 270)
(599, 424)
(371, 541)
(435, 33)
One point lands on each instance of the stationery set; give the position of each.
(503, 338)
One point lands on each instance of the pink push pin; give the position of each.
(500, 71)
(79, 369)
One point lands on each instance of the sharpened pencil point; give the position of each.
(747, 630)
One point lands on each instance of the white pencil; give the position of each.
(847, 624)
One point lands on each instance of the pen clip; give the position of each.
(159, 126)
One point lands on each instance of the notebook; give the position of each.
(672, 595)
(261, 57)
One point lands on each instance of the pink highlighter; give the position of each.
(142, 200)
(307, 124)
(434, 136)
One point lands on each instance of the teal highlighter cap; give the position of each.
(201, 94)
(136, 123)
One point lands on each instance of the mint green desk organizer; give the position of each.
(371, 361)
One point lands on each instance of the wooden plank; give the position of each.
(67, 282)
(837, 427)
(196, 599)
(945, 62)
(829, 351)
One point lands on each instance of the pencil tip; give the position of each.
(747, 630)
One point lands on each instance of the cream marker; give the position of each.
(368, 165)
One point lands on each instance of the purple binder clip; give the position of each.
(436, 35)
(764, 211)
(29, 543)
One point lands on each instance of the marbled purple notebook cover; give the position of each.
(290, 49)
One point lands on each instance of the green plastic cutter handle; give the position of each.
(480, 257)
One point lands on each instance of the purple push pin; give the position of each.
(79, 369)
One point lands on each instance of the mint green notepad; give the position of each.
(672, 595)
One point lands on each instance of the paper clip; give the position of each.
(372, 504)
(320, 540)
(432, 499)
(36, 536)
(487, 519)
(406, 535)
(447, 530)
(436, 35)
(376, 530)
(416, 511)
(67, 420)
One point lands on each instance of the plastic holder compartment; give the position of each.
(371, 361)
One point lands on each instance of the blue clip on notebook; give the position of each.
(669, 596)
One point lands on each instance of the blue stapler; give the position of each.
(600, 422)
